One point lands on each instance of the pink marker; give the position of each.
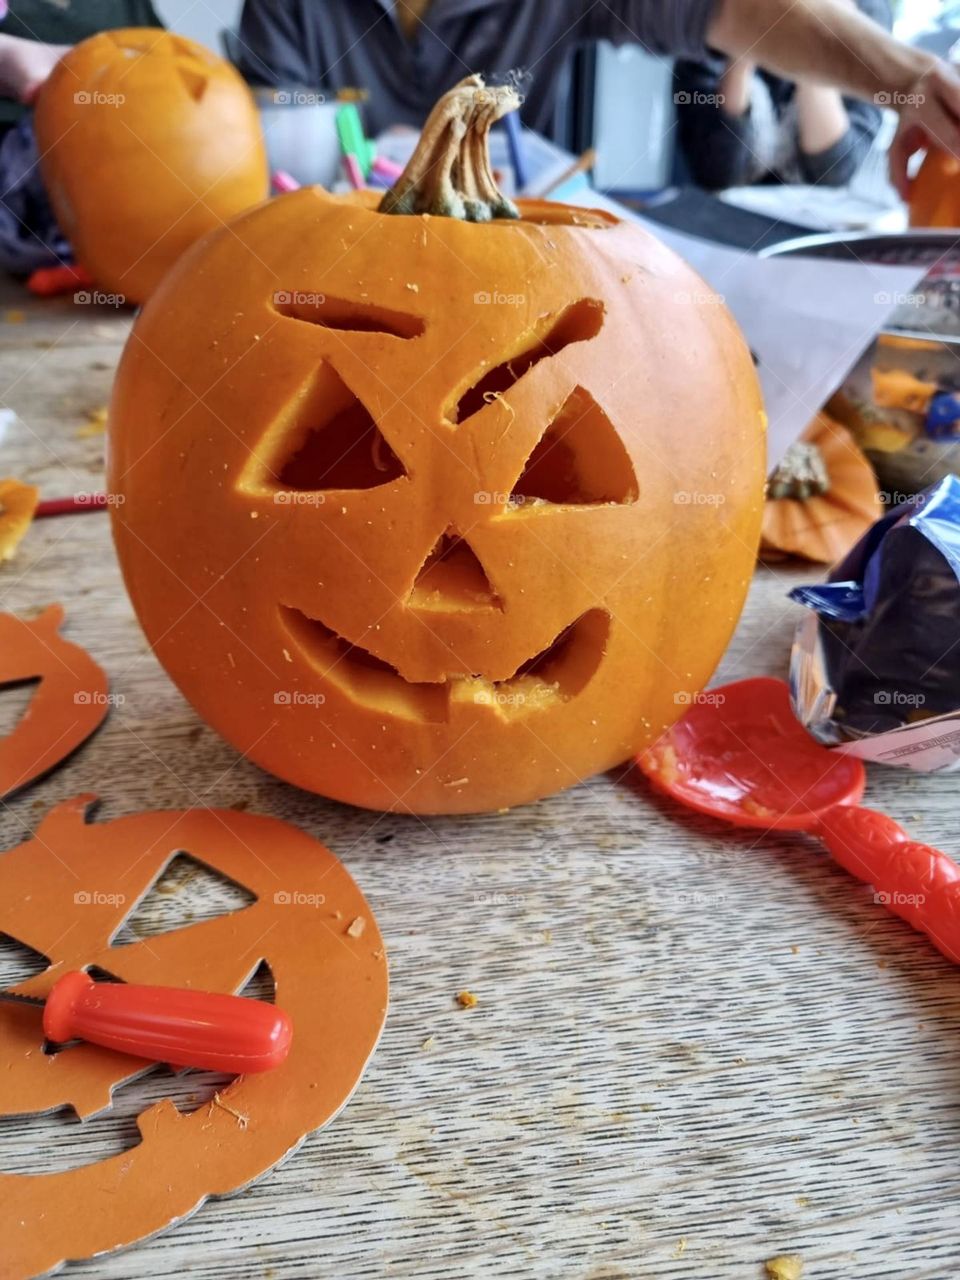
(354, 172)
(387, 168)
(282, 181)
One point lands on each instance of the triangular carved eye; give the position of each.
(579, 459)
(328, 441)
(196, 81)
(452, 578)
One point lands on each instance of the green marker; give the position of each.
(353, 141)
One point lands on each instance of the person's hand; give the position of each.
(25, 65)
(736, 85)
(929, 116)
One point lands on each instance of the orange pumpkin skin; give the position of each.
(935, 192)
(147, 141)
(284, 591)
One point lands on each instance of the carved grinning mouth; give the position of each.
(548, 679)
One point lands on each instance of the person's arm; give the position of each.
(829, 42)
(822, 119)
(736, 85)
(25, 65)
(714, 124)
(837, 164)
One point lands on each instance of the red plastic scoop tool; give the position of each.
(165, 1024)
(740, 754)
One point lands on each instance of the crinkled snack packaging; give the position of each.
(875, 668)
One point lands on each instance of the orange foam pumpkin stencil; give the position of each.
(69, 704)
(309, 923)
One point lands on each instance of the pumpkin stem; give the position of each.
(801, 475)
(449, 173)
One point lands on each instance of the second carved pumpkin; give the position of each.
(147, 141)
(432, 513)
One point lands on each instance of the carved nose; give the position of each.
(452, 578)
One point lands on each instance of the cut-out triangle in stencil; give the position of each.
(15, 699)
(18, 962)
(186, 892)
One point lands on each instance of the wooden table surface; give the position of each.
(692, 1051)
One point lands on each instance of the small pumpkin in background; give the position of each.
(935, 191)
(460, 506)
(147, 141)
(821, 498)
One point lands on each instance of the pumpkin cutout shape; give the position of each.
(69, 704)
(935, 191)
(147, 141)
(309, 923)
(432, 514)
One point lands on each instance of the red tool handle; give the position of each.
(47, 282)
(914, 881)
(169, 1024)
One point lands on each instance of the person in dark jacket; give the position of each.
(738, 124)
(409, 52)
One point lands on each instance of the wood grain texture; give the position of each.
(693, 1050)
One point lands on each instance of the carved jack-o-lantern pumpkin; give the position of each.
(429, 514)
(65, 894)
(147, 141)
